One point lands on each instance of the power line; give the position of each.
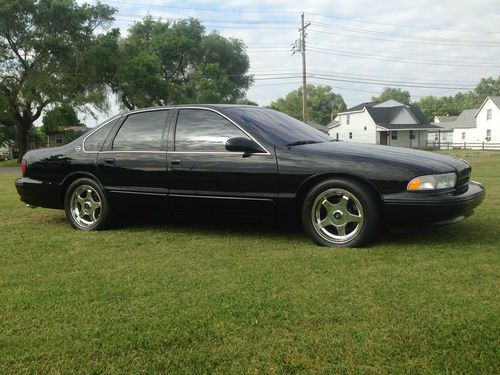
(407, 36)
(458, 44)
(279, 12)
(427, 28)
(399, 60)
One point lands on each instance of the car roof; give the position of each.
(209, 106)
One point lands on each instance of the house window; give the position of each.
(350, 135)
(412, 134)
(394, 135)
(436, 136)
(488, 114)
(348, 120)
(59, 139)
(488, 134)
(463, 136)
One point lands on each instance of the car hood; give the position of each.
(397, 154)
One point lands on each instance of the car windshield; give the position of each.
(279, 128)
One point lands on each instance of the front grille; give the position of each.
(463, 180)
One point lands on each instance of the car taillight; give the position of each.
(24, 166)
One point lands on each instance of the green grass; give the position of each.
(169, 296)
(9, 163)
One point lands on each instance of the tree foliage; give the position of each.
(162, 63)
(59, 117)
(396, 94)
(322, 104)
(47, 56)
(454, 105)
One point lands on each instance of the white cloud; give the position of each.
(426, 21)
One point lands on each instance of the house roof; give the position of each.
(315, 125)
(445, 126)
(442, 119)
(359, 107)
(496, 100)
(385, 114)
(467, 119)
(407, 126)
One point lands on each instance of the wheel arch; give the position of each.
(72, 177)
(313, 180)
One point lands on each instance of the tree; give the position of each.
(322, 105)
(164, 63)
(433, 106)
(59, 117)
(47, 56)
(395, 94)
(487, 87)
(246, 101)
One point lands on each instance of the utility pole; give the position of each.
(303, 51)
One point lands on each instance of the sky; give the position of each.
(357, 47)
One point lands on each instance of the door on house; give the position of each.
(383, 138)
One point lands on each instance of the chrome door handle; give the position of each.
(174, 163)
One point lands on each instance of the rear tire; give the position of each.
(86, 205)
(341, 213)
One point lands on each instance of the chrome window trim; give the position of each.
(96, 129)
(133, 152)
(218, 153)
(179, 152)
(228, 119)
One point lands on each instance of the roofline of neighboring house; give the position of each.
(364, 109)
(482, 105)
(349, 112)
(382, 128)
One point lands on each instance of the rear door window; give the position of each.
(141, 132)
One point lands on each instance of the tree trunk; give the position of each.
(23, 129)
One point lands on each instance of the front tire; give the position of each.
(86, 205)
(341, 213)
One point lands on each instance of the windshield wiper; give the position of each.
(306, 142)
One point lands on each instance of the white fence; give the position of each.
(463, 145)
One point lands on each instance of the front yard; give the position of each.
(162, 295)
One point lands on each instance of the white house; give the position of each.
(442, 137)
(388, 123)
(479, 126)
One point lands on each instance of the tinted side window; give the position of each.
(202, 130)
(141, 132)
(96, 139)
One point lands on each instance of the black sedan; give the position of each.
(244, 160)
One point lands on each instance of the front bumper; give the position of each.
(39, 193)
(433, 208)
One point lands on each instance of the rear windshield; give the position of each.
(277, 127)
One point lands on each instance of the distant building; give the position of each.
(479, 125)
(442, 137)
(388, 123)
(317, 126)
(64, 135)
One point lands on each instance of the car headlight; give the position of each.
(433, 182)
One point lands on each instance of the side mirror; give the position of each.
(241, 144)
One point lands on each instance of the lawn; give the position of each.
(9, 163)
(189, 296)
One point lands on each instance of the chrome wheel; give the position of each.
(337, 216)
(85, 206)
